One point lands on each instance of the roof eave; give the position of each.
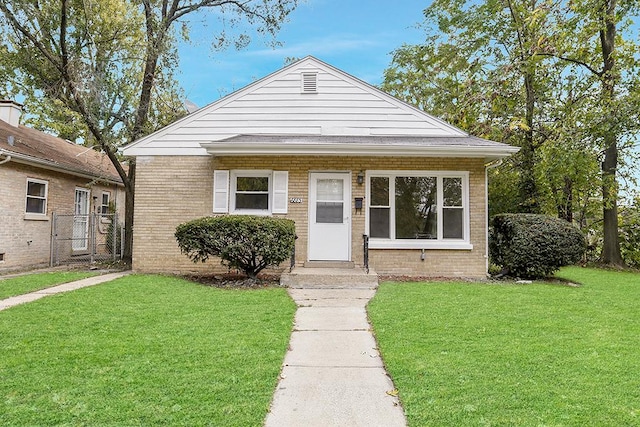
(45, 164)
(375, 150)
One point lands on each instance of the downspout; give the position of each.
(6, 160)
(490, 165)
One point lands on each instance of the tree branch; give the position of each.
(25, 32)
(574, 61)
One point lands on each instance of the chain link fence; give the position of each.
(86, 238)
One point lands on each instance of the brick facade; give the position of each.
(26, 242)
(172, 190)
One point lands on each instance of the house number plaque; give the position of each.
(295, 200)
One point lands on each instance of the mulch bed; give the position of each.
(236, 281)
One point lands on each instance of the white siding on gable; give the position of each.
(276, 105)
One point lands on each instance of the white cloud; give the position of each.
(333, 44)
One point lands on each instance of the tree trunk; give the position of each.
(128, 213)
(527, 187)
(611, 248)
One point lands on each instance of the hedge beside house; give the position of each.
(247, 242)
(534, 246)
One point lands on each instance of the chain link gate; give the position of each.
(86, 238)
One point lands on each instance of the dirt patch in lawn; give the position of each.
(506, 280)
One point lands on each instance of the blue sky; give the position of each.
(356, 36)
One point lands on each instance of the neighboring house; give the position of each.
(41, 175)
(336, 155)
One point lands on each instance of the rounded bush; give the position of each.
(534, 246)
(247, 242)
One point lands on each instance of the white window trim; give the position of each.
(234, 174)
(440, 242)
(108, 194)
(36, 215)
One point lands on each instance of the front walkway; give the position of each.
(65, 287)
(332, 373)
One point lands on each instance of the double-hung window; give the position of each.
(36, 197)
(258, 192)
(417, 209)
(250, 192)
(104, 205)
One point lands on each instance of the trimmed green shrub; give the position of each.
(246, 242)
(534, 246)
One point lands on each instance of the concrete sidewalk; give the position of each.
(332, 373)
(65, 287)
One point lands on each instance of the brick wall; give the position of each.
(26, 242)
(172, 190)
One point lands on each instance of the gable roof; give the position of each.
(312, 107)
(33, 147)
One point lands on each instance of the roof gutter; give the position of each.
(21, 158)
(6, 160)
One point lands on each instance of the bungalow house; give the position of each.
(41, 175)
(338, 156)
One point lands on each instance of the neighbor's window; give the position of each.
(429, 206)
(36, 196)
(250, 191)
(104, 206)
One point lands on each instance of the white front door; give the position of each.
(81, 221)
(329, 216)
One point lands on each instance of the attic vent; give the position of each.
(309, 83)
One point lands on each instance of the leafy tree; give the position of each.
(559, 79)
(630, 233)
(480, 70)
(104, 68)
(595, 36)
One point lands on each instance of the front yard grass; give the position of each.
(502, 355)
(19, 285)
(143, 350)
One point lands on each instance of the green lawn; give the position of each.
(34, 282)
(142, 351)
(514, 355)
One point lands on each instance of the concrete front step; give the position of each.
(329, 264)
(329, 278)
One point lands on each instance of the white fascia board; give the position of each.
(235, 149)
(165, 151)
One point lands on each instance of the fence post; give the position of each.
(121, 241)
(53, 239)
(114, 241)
(92, 237)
